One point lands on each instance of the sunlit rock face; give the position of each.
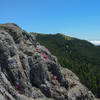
(28, 71)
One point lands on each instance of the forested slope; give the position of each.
(80, 56)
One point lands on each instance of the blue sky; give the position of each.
(77, 18)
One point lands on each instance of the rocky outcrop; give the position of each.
(28, 71)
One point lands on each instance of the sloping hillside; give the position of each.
(28, 71)
(80, 56)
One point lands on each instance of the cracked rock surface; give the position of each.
(28, 71)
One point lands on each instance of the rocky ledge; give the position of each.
(28, 71)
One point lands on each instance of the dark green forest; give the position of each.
(80, 56)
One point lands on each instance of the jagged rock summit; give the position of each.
(28, 71)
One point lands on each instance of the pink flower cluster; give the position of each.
(17, 88)
(47, 49)
(55, 77)
(36, 49)
(45, 56)
(17, 91)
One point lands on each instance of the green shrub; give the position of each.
(3, 27)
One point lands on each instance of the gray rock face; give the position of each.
(28, 71)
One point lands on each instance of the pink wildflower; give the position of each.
(47, 57)
(47, 50)
(36, 49)
(44, 55)
(16, 87)
(55, 77)
(17, 91)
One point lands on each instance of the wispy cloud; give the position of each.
(95, 42)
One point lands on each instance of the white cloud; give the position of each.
(95, 42)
